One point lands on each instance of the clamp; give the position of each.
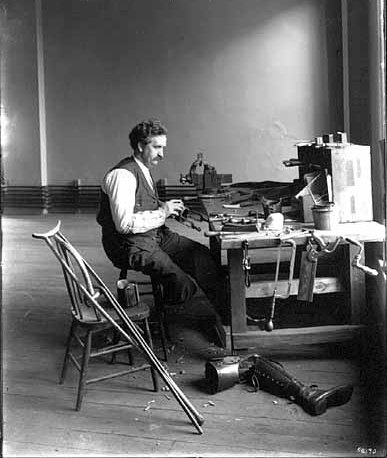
(269, 326)
(246, 266)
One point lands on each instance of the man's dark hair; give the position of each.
(142, 132)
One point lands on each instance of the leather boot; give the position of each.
(270, 376)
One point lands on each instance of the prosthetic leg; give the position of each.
(270, 376)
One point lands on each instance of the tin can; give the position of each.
(128, 295)
(325, 217)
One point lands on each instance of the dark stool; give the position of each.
(157, 293)
(214, 323)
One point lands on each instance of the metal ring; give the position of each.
(255, 383)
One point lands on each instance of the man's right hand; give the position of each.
(173, 207)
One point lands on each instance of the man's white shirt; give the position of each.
(120, 186)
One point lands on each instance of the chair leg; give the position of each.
(116, 339)
(130, 357)
(84, 368)
(163, 337)
(67, 353)
(158, 299)
(148, 338)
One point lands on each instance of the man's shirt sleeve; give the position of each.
(120, 186)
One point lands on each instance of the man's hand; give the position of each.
(173, 207)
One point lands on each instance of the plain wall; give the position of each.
(239, 80)
(20, 145)
(358, 71)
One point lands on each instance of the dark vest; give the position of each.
(146, 200)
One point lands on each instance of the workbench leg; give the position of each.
(237, 293)
(355, 287)
(215, 250)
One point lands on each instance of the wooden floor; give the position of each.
(39, 417)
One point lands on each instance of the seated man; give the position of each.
(134, 234)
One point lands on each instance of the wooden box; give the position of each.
(349, 166)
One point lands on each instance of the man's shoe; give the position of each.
(316, 402)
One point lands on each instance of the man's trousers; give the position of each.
(175, 261)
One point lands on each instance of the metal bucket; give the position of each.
(325, 217)
(222, 374)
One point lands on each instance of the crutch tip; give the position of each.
(199, 430)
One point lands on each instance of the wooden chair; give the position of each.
(91, 321)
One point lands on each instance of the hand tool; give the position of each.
(186, 222)
(231, 206)
(222, 233)
(186, 219)
(269, 326)
(307, 276)
(246, 266)
(326, 248)
(356, 260)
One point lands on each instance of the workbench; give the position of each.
(350, 281)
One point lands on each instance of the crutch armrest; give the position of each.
(48, 234)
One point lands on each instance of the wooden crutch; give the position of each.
(134, 334)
